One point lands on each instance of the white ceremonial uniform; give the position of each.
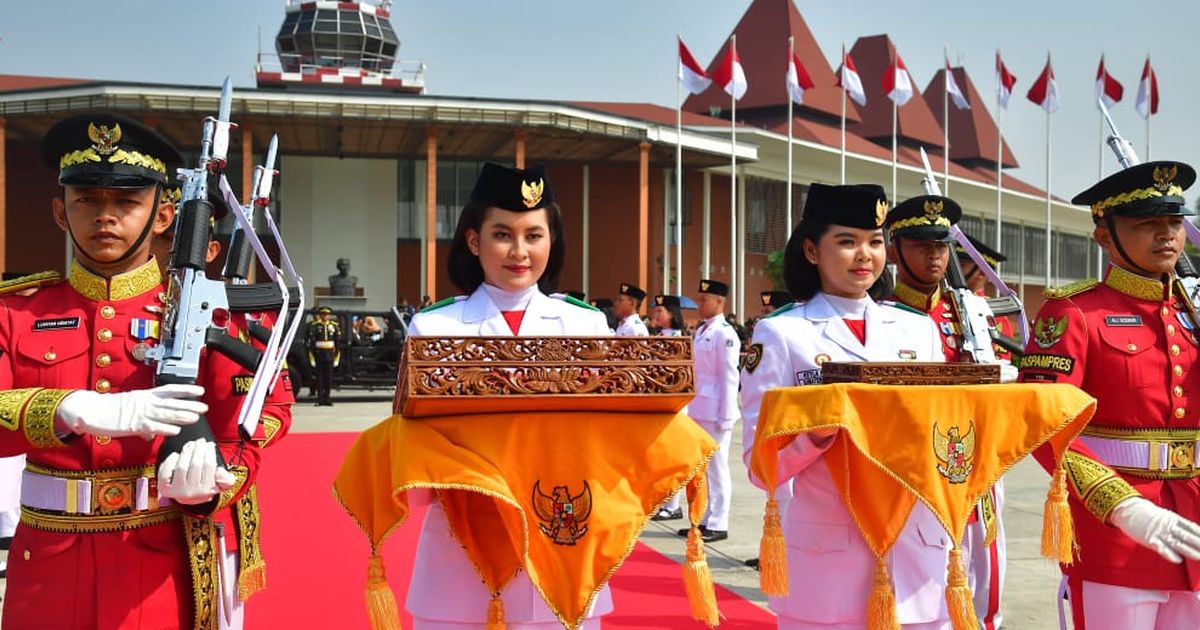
(830, 567)
(632, 326)
(716, 348)
(676, 501)
(10, 494)
(446, 592)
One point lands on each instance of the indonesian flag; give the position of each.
(1044, 91)
(730, 75)
(850, 81)
(960, 100)
(897, 83)
(694, 79)
(1147, 96)
(797, 80)
(1107, 87)
(1004, 81)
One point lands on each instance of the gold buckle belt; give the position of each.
(90, 501)
(1146, 453)
(88, 524)
(325, 345)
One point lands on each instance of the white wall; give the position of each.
(334, 208)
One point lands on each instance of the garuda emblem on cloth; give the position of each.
(563, 518)
(956, 453)
(1047, 331)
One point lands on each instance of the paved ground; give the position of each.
(1032, 582)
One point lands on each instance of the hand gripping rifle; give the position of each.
(975, 314)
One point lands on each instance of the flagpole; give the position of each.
(843, 179)
(678, 184)
(788, 194)
(999, 167)
(1149, 115)
(1048, 233)
(1100, 176)
(946, 124)
(734, 283)
(895, 109)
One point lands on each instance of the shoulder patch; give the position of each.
(40, 279)
(781, 310)
(580, 303)
(440, 303)
(1075, 288)
(902, 306)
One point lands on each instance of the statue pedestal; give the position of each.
(343, 302)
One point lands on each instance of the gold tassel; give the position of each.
(495, 614)
(958, 594)
(697, 579)
(772, 554)
(251, 580)
(1058, 531)
(381, 602)
(881, 604)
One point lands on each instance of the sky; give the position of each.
(624, 50)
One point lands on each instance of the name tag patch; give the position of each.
(58, 323)
(1051, 362)
(1123, 320)
(808, 377)
(241, 384)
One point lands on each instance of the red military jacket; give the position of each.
(941, 311)
(1129, 343)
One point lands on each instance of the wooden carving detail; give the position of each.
(910, 373)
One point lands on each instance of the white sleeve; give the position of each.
(729, 355)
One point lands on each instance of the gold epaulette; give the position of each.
(1075, 288)
(41, 278)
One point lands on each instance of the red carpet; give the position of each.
(317, 557)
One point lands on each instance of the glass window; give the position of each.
(766, 215)
(408, 223)
(389, 50)
(325, 26)
(1035, 251)
(326, 14)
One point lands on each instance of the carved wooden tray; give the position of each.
(464, 375)
(910, 373)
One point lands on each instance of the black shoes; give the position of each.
(683, 533)
(663, 514)
(714, 535)
(752, 563)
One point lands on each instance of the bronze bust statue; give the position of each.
(342, 283)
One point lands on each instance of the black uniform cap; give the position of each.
(1142, 190)
(632, 291)
(715, 287)
(108, 151)
(513, 189)
(861, 206)
(924, 218)
(578, 295)
(990, 255)
(776, 298)
(602, 303)
(324, 309)
(666, 301)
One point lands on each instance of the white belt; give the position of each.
(90, 494)
(325, 345)
(1144, 454)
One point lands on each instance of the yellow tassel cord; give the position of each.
(772, 554)
(699, 583)
(881, 605)
(381, 602)
(958, 594)
(1058, 531)
(495, 614)
(251, 581)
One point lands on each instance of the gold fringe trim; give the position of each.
(252, 569)
(772, 553)
(881, 604)
(697, 580)
(382, 610)
(496, 614)
(201, 536)
(1058, 531)
(959, 602)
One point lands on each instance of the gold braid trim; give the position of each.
(201, 536)
(917, 299)
(1097, 486)
(919, 221)
(135, 158)
(12, 401)
(91, 524)
(1136, 286)
(120, 287)
(1075, 288)
(30, 281)
(239, 473)
(271, 426)
(252, 567)
(78, 157)
(1099, 207)
(39, 418)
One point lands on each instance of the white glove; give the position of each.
(1008, 372)
(144, 412)
(192, 476)
(1164, 531)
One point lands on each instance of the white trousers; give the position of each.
(1107, 607)
(788, 623)
(987, 564)
(420, 623)
(720, 481)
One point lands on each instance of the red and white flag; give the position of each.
(956, 94)
(1004, 81)
(897, 83)
(850, 81)
(694, 79)
(730, 75)
(797, 80)
(1044, 91)
(1147, 96)
(1107, 88)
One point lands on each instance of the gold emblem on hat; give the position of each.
(766, 300)
(704, 285)
(880, 212)
(531, 193)
(104, 139)
(1164, 177)
(933, 209)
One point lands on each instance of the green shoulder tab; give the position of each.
(1075, 288)
(781, 310)
(440, 303)
(580, 303)
(40, 279)
(904, 307)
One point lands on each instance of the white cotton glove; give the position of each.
(191, 476)
(1164, 531)
(1008, 372)
(145, 412)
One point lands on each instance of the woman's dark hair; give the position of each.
(801, 276)
(676, 317)
(465, 271)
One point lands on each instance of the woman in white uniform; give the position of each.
(506, 255)
(833, 266)
(666, 316)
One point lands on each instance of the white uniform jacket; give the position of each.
(445, 586)
(632, 326)
(716, 348)
(830, 568)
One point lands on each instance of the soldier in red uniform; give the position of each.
(1130, 341)
(126, 543)
(977, 282)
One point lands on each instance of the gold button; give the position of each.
(1131, 347)
(104, 335)
(1165, 311)
(103, 440)
(1178, 391)
(1178, 370)
(50, 356)
(1174, 350)
(1170, 329)
(103, 360)
(162, 297)
(27, 555)
(103, 386)
(1179, 412)
(107, 312)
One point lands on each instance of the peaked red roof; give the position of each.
(973, 133)
(762, 45)
(915, 123)
(16, 82)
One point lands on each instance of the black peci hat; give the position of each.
(666, 301)
(1148, 189)
(861, 206)
(776, 298)
(715, 287)
(108, 151)
(324, 309)
(602, 303)
(924, 218)
(578, 295)
(632, 291)
(990, 255)
(513, 188)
